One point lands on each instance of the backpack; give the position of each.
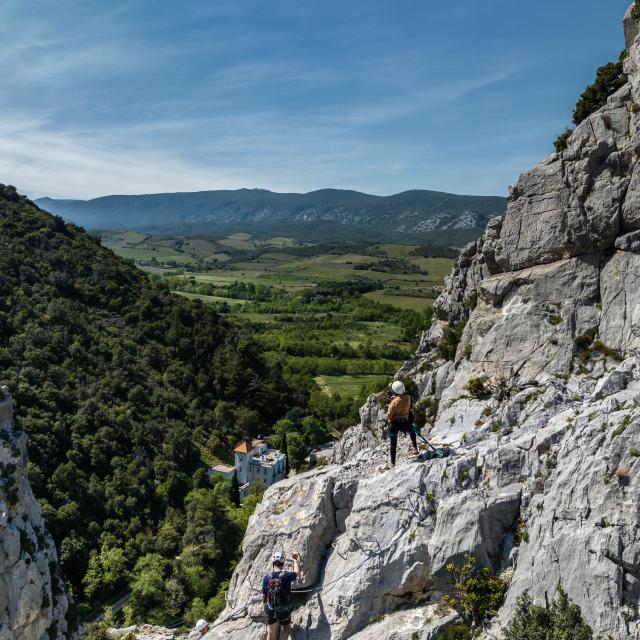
(278, 597)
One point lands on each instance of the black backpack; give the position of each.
(278, 597)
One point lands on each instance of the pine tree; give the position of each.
(609, 78)
(235, 490)
(561, 621)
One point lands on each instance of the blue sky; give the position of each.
(381, 96)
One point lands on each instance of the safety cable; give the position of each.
(369, 553)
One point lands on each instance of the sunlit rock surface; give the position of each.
(33, 602)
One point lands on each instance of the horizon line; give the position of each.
(296, 193)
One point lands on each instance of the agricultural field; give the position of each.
(210, 299)
(343, 315)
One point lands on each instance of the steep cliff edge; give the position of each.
(545, 475)
(33, 602)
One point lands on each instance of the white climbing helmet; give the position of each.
(201, 624)
(398, 387)
(277, 558)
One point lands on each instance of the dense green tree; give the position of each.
(148, 591)
(170, 532)
(283, 426)
(258, 488)
(175, 598)
(296, 450)
(208, 543)
(609, 78)
(314, 431)
(107, 572)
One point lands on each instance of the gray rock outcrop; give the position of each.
(543, 485)
(33, 601)
(631, 26)
(564, 470)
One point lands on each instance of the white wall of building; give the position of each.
(261, 463)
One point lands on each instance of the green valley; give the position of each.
(343, 316)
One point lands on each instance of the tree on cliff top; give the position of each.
(609, 78)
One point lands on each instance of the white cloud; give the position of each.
(42, 162)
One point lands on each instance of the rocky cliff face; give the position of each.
(545, 475)
(33, 602)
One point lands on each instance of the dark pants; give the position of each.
(283, 617)
(397, 426)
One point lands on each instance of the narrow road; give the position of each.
(116, 605)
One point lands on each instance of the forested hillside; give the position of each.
(325, 215)
(122, 388)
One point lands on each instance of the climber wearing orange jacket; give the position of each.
(399, 416)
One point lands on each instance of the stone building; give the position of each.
(253, 461)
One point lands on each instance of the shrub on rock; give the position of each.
(561, 621)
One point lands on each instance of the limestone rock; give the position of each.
(432, 337)
(611, 383)
(631, 27)
(153, 632)
(398, 528)
(33, 602)
(620, 291)
(358, 439)
(420, 623)
(571, 203)
(629, 242)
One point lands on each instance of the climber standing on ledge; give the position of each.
(276, 595)
(400, 419)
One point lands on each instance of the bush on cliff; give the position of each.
(451, 339)
(609, 78)
(561, 142)
(456, 632)
(561, 621)
(479, 593)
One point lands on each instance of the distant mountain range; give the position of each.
(328, 214)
